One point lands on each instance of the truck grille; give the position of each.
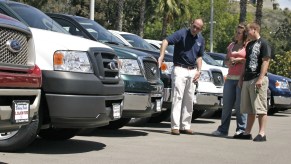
(9, 57)
(217, 78)
(107, 67)
(151, 70)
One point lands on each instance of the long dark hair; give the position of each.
(245, 35)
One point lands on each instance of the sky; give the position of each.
(285, 4)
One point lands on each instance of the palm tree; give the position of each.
(170, 9)
(259, 11)
(142, 17)
(118, 23)
(243, 10)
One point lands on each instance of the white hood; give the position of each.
(206, 66)
(47, 42)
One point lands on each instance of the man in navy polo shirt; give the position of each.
(188, 52)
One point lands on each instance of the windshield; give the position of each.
(97, 31)
(209, 60)
(35, 18)
(138, 42)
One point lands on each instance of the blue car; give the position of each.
(279, 88)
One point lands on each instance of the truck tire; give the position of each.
(160, 117)
(271, 109)
(57, 133)
(116, 124)
(196, 114)
(19, 139)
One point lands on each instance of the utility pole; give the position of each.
(92, 8)
(211, 27)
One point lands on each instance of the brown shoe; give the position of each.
(175, 132)
(187, 131)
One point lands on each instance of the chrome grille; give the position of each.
(8, 57)
(107, 67)
(151, 70)
(217, 78)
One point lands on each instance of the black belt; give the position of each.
(185, 66)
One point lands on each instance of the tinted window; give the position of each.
(209, 60)
(35, 18)
(71, 28)
(138, 42)
(97, 31)
(219, 60)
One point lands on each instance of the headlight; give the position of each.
(167, 67)
(129, 67)
(282, 85)
(72, 61)
(205, 76)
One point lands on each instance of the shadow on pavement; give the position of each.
(155, 125)
(198, 121)
(155, 131)
(113, 133)
(210, 135)
(285, 113)
(72, 146)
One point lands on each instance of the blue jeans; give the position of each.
(231, 99)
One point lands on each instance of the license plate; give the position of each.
(116, 110)
(20, 113)
(158, 106)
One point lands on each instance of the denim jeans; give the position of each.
(231, 99)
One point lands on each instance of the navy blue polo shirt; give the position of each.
(187, 47)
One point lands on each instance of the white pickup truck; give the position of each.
(208, 95)
(81, 85)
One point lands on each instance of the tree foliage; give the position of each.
(281, 64)
(160, 18)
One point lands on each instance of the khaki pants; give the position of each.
(183, 90)
(253, 102)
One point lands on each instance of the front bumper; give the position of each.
(7, 96)
(167, 97)
(81, 111)
(209, 101)
(282, 102)
(141, 104)
(79, 100)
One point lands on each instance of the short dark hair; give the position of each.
(255, 26)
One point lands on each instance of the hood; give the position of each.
(128, 53)
(47, 42)
(11, 23)
(273, 77)
(206, 66)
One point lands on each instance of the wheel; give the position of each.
(271, 109)
(160, 117)
(218, 113)
(57, 133)
(196, 114)
(19, 139)
(138, 121)
(116, 124)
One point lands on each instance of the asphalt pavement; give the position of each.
(153, 144)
